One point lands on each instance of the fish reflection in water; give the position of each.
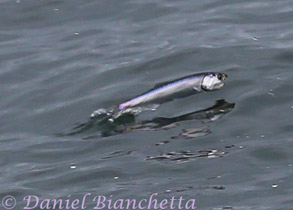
(210, 114)
(183, 156)
(104, 124)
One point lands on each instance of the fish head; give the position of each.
(213, 81)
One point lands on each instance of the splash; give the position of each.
(115, 113)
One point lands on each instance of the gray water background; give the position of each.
(61, 60)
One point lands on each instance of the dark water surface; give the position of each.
(61, 60)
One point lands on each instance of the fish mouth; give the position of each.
(221, 85)
(218, 86)
(225, 76)
(222, 76)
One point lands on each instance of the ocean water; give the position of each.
(62, 60)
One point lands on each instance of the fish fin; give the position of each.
(197, 89)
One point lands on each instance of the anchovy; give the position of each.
(177, 89)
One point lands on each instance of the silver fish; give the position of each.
(177, 89)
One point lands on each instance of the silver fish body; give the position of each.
(177, 89)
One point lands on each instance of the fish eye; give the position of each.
(220, 76)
